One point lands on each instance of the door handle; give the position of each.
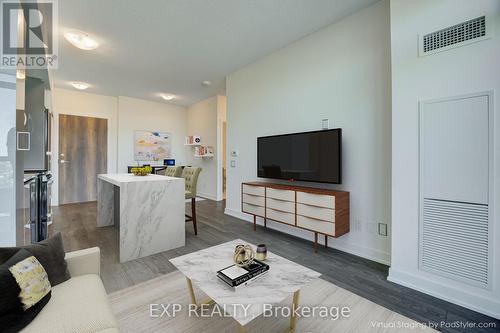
(63, 161)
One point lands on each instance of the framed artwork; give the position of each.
(152, 146)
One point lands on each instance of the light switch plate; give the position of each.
(233, 163)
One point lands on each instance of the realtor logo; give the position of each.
(29, 36)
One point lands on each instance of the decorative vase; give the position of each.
(261, 252)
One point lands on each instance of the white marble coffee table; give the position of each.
(283, 279)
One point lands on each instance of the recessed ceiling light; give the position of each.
(81, 40)
(206, 83)
(80, 85)
(167, 97)
(20, 74)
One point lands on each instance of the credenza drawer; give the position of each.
(284, 206)
(280, 216)
(316, 225)
(280, 194)
(320, 213)
(253, 209)
(255, 190)
(254, 199)
(319, 200)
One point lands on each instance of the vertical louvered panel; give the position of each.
(455, 240)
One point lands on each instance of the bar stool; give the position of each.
(190, 175)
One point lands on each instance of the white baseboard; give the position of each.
(207, 196)
(360, 251)
(486, 305)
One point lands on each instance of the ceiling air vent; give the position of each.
(455, 36)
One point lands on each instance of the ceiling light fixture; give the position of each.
(20, 74)
(81, 40)
(80, 85)
(167, 97)
(206, 83)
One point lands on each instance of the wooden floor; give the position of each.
(77, 223)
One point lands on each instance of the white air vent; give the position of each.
(455, 36)
(455, 240)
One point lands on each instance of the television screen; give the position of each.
(309, 156)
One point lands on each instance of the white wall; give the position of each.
(205, 119)
(341, 73)
(125, 115)
(202, 121)
(470, 69)
(137, 114)
(87, 105)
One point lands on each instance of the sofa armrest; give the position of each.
(87, 261)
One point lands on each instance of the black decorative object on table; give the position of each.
(235, 276)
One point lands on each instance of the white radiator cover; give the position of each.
(455, 167)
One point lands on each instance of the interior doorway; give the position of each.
(83, 143)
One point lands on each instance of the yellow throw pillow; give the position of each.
(32, 280)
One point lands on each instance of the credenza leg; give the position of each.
(315, 242)
(254, 223)
(326, 241)
(265, 223)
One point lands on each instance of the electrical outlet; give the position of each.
(325, 124)
(382, 229)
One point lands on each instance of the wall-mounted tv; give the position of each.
(309, 156)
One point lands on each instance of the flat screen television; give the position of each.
(309, 156)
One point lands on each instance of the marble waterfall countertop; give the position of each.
(120, 178)
(149, 211)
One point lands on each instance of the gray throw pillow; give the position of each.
(50, 253)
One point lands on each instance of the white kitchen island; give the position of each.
(148, 210)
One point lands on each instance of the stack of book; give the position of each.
(237, 277)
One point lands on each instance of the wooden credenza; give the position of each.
(321, 211)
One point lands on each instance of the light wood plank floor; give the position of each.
(77, 223)
(131, 307)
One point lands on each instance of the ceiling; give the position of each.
(169, 46)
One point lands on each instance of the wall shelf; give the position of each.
(204, 151)
(192, 140)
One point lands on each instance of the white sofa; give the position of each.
(79, 305)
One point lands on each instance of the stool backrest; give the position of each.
(173, 171)
(190, 175)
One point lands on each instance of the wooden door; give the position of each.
(83, 143)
